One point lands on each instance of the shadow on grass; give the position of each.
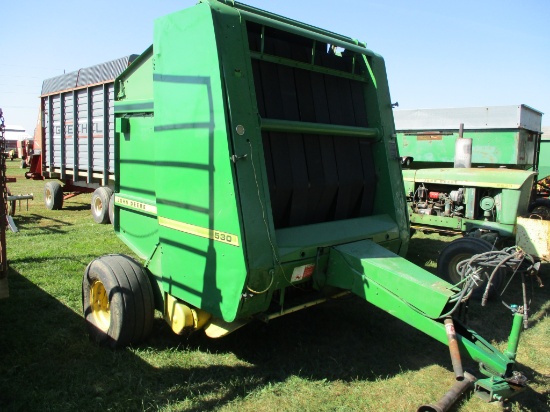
(82, 259)
(76, 206)
(40, 223)
(423, 249)
(48, 363)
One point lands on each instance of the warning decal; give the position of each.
(302, 272)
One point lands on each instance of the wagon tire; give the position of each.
(462, 249)
(117, 301)
(540, 208)
(100, 204)
(53, 196)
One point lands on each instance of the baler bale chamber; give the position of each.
(258, 174)
(264, 150)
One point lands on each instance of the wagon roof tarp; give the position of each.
(88, 75)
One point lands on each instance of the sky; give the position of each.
(438, 54)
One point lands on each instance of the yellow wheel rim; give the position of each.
(48, 195)
(98, 205)
(99, 302)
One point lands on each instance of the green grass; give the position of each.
(345, 355)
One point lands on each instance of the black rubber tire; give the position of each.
(461, 249)
(540, 207)
(112, 209)
(53, 196)
(128, 317)
(100, 204)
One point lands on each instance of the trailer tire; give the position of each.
(461, 249)
(53, 196)
(100, 204)
(117, 301)
(540, 207)
(112, 209)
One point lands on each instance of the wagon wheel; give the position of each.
(53, 196)
(540, 208)
(462, 249)
(100, 204)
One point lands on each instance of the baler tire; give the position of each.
(540, 207)
(461, 249)
(100, 204)
(53, 196)
(117, 301)
(112, 209)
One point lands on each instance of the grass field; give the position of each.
(345, 355)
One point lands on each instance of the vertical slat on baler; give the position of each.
(312, 143)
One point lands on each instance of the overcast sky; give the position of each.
(438, 53)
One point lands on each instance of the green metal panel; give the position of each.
(544, 156)
(135, 201)
(134, 87)
(202, 242)
(514, 148)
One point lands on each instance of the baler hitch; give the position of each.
(456, 391)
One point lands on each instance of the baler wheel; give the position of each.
(117, 300)
(100, 204)
(462, 249)
(53, 196)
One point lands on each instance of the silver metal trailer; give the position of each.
(75, 142)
